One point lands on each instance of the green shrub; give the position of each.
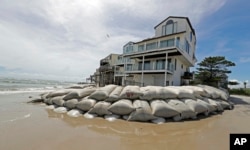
(240, 91)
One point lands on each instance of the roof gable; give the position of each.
(178, 18)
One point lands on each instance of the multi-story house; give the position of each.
(105, 73)
(163, 60)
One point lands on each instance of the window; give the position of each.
(147, 65)
(175, 64)
(151, 46)
(190, 37)
(129, 67)
(141, 48)
(187, 47)
(167, 43)
(160, 64)
(163, 30)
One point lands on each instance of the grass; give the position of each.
(240, 91)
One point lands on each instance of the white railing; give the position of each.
(151, 68)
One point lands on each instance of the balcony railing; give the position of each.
(136, 68)
(122, 61)
(105, 68)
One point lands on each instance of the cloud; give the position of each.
(67, 38)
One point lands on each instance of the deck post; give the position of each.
(166, 67)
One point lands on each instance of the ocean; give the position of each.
(12, 85)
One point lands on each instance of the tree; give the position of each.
(213, 71)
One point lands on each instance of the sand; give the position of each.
(30, 126)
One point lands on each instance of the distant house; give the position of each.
(162, 60)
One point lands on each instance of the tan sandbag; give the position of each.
(74, 113)
(207, 104)
(166, 93)
(86, 91)
(214, 103)
(103, 92)
(198, 108)
(224, 104)
(158, 120)
(142, 111)
(162, 109)
(184, 92)
(48, 101)
(60, 92)
(215, 93)
(111, 117)
(60, 110)
(51, 107)
(199, 92)
(70, 104)
(185, 111)
(148, 93)
(115, 94)
(130, 92)
(86, 104)
(74, 94)
(100, 108)
(89, 116)
(58, 100)
(122, 107)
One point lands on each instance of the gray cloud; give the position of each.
(66, 39)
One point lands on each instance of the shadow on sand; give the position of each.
(238, 100)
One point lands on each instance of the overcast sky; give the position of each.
(65, 39)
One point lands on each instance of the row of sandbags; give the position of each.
(112, 93)
(138, 110)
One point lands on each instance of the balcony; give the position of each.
(123, 61)
(104, 62)
(150, 69)
(105, 68)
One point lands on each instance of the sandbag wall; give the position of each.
(134, 103)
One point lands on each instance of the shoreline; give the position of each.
(45, 129)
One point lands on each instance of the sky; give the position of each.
(65, 39)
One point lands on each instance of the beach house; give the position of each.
(164, 59)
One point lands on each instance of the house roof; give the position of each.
(178, 18)
(148, 39)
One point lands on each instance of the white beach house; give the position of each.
(162, 60)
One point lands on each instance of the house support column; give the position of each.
(125, 69)
(142, 71)
(166, 68)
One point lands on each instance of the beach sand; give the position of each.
(30, 126)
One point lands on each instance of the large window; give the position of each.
(146, 65)
(141, 48)
(151, 46)
(167, 43)
(160, 64)
(169, 28)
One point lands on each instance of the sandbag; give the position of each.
(51, 107)
(207, 104)
(86, 91)
(142, 111)
(58, 93)
(195, 106)
(103, 92)
(58, 100)
(130, 92)
(158, 120)
(122, 107)
(199, 92)
(148, 93)
(115, 94)
(214, 93)
(111, 117)
(166, 93)
(224, 104)
(74, 94)
(60, 110)
(48, 101)
(162, 109)
(89, 116)
(74, 113)
(70, 104)
(185, 111)
(184, 92)
(214, 103)
(100, 108)
(86, 104)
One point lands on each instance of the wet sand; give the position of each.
(42, 129)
